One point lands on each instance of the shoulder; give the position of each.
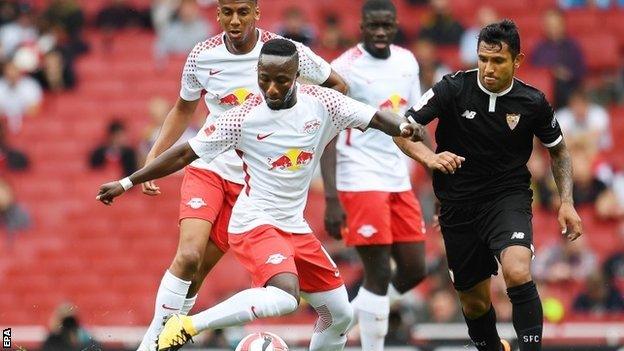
(241, 112)
(454, 83)
(533, 94)
(265, 35)
(404, 56)
(325, 96)
(207, 47)
(348, 57)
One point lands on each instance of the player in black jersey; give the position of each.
(486, 123)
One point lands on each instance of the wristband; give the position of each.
(126, 183)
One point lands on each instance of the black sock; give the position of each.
(482, 331)
(528, 318)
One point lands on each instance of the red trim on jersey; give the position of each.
(266, 35)
(247, 177)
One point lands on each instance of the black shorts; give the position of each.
(475, 235)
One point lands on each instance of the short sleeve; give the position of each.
(546, 128)
(312, 67)
(415, 92)
(344, 111)
(191, 87)
(217, 137)
(430, 104)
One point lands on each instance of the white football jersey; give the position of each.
(370, 161)
(280, 150)
(229, 79)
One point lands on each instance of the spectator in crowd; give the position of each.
(599, 296)
(158, 110)
(181, 34)
(66, 334)
(562, 55)
(161, 13)
(11, 159)
(588, 187)
(572, 4)
(118, 14)
(582, 119)
(542, 182)
(13, 216)
(440, 26)
(67, 16)
(431, 68)
(333, 41)
(468, 42)
(18, 32)
(55, 74)
(20, 96)
(613, 266)
(295, 26)
(115, 150)
(8, 11)
(443, 307)
(564, 261)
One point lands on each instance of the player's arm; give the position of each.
(334, 213)
(169, 162)
(336, 82)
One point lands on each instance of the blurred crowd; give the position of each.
(39, 46)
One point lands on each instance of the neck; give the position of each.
(242, 47)
(377, 53)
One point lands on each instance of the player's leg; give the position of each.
(201, 200)
(408, 248)
(470, 265)
(267, 253)
(324, 289)
(369, 230)
(512, 240)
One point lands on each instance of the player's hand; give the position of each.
(414, 131)
(150, 188)
(569, 221)
(334, 218)
(108, 192)
(445, 162)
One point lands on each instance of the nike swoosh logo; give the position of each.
(215, 71)
(168, 308)
(261, 137)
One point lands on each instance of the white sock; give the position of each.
(393, 294)
(244, 307)
(335, 316)
(169, 300)
(372, 314)
(189, 302)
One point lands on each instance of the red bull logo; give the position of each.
(236, 97)
(292, 160)
(394, 103)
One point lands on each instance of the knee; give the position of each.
(474, 306)
(188, 260)
(410, 277)
(516, 275)
(342, 317)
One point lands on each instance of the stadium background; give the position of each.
(65, 254)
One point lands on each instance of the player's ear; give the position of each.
(518, 61)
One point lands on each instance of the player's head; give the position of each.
(238, 19)
(499, 55)
(379, 26)
(278, 70)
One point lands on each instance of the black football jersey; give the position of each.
(493, 131)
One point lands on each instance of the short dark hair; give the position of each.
(378, 5)
(501, 32)
(279, 47)
(116, 126)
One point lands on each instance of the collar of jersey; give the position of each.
(363, 50)
(491, 93)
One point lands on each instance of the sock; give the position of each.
(189, 302)
(372, 315)
(483, 333)
(335, 316)
(393, 294)
(528, 318)
(244, 307)
(169, 300)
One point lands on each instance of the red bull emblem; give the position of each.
(210, 130)
(394, 103)
(236, 97)
(312, 126)
(292, 160)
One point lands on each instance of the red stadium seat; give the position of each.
(539, 78)
(600, 51)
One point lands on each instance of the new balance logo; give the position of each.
(517, 235)
(469, 114)
(276, 258)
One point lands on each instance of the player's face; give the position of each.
(276, 78)
(238, 19)
(378, 31)
(496, 66)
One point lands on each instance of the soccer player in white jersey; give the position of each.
(383, 216)
(224, 67)
(280, 136)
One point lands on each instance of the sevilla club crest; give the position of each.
(512, 120)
